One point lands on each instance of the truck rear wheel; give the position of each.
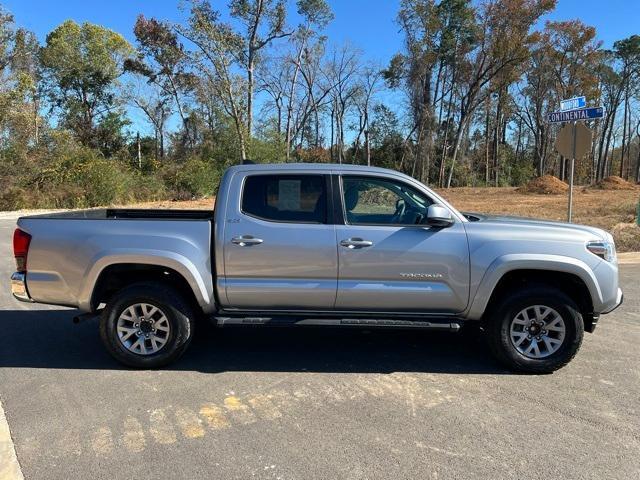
(147, 325)
(535, 329)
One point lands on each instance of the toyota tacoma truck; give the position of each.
(319, 244)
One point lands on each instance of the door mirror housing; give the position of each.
(438, 216)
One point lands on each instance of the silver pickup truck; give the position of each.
(318, 244)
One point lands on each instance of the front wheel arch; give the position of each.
(569, 284)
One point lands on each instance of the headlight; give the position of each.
(604, 250)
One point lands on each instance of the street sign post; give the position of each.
(574, 141)
(573, 103)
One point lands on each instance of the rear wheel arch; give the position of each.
(115, 277)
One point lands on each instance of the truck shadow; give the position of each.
(49, 339)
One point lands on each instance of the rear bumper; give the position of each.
(19, 287)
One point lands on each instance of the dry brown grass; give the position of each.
(613, 210)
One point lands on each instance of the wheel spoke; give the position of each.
(130, 314)
(554, 325)
(538, 312)
(545, 314)
(126, 333)
(536, 348)
(163, 326)
(521, 338)
(157, 343)
(136, 345)
(533, 347)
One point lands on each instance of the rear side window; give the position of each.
(286, 198)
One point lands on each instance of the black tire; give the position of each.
(498, 326)
(178, 311)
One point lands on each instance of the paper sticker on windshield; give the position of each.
(289, 195)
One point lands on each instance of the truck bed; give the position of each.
(128, 213)
(69, 250)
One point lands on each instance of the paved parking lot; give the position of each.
(306, 404)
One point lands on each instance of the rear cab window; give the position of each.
(286, 198)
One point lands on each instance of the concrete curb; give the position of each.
(14, 215)
(9, 466)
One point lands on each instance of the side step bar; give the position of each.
(444, 325)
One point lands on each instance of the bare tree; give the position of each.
(341, 72)
(367, 86)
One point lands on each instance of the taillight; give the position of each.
(21, 241)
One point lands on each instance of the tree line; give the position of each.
(465, 101)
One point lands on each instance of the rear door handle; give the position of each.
(246, 240)
(356, 243)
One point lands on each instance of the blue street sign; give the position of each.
(576, 115)
(573, 103)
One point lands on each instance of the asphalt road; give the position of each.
(307, 404)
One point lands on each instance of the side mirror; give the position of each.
(438, 216)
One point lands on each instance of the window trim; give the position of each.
(328, 192)
(345, 220)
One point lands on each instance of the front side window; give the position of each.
(286, 198)
(379, 201)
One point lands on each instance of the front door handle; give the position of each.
(246, 240)
(356, 243)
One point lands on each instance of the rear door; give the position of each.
(389, 260)
(279, 245)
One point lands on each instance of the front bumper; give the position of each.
(19, 287)
(619, 300)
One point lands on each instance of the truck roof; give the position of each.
(310, 167)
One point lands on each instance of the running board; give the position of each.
(445, 325)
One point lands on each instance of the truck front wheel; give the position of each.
(535, 329)
(147, 325)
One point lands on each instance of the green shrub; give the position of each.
(193, 178)
(66, 175)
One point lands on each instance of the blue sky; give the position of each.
(367, 24)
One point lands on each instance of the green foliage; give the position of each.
(195, 178)
(81, 64)
(74, 176)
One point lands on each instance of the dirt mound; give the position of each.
(545, 185)
(614, 183)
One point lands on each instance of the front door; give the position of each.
(279, 247)
(389, 260)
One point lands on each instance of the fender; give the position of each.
(162, 258)
(510, 262)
